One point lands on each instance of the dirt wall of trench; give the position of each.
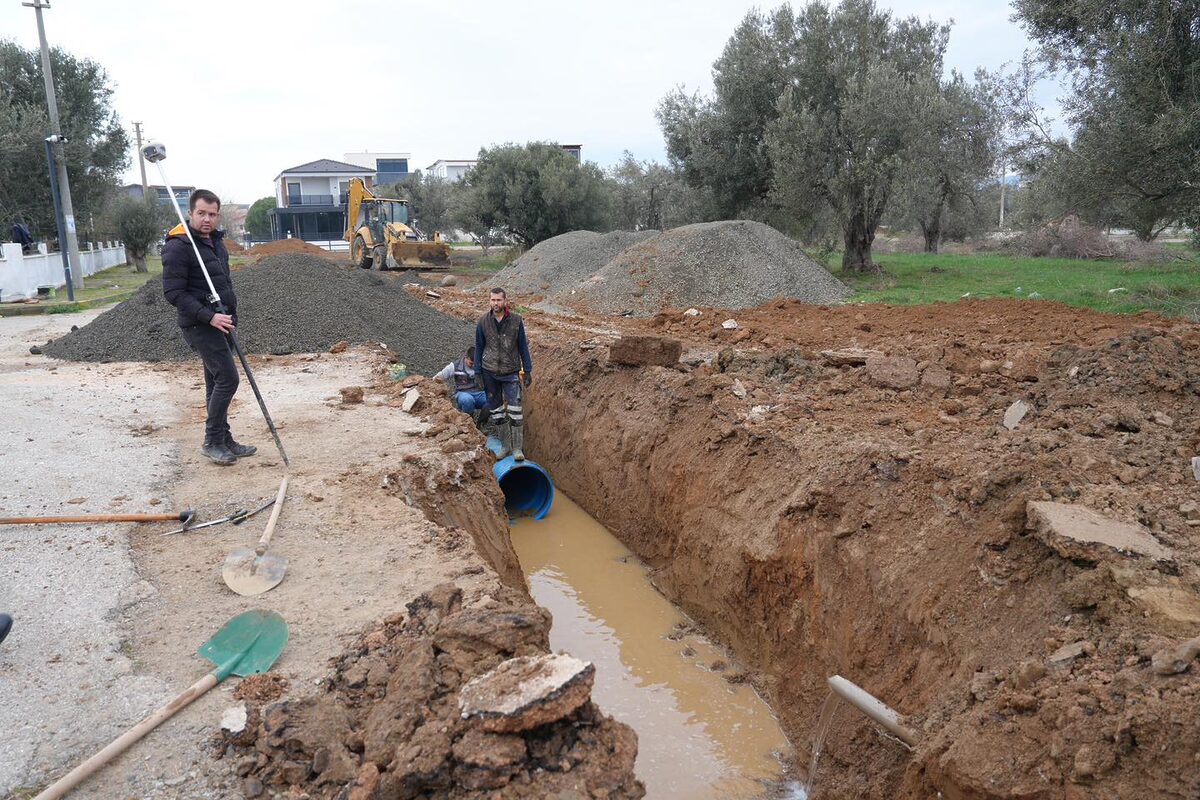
(870, 521)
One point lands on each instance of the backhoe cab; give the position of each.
(380, 236)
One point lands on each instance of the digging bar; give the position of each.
(155, 153)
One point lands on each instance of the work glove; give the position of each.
(528, 379)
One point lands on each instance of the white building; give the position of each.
(310, 199)
(450, 169)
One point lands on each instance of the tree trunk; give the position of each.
(139, 262)
(859, 234)
(932, 230)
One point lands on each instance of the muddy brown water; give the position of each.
(699, 736)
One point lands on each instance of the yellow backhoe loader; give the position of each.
(380, 237)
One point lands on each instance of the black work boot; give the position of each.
(238, 450)
(218, 453)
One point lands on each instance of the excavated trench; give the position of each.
(897, 556)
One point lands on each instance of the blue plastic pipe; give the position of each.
(526, 486)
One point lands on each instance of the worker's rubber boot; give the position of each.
(238, 450)
(502, 433)
(5, 625)
(518, 442)
(218, 453)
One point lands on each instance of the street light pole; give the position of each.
(56, 138)
(58, 215)
(137, 132)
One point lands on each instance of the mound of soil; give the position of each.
(290, 303)
(233, 246)
(287, 246)
(731, 264)
(560, 263)
(890, 538)
(387, 722)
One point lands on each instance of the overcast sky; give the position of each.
(239, 91)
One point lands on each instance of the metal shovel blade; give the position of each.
(247, 644)
(248, 573)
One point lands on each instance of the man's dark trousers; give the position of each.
(220, 378)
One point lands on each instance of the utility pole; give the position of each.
(137, 132)
(56, 138)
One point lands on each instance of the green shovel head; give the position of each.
(247, 644)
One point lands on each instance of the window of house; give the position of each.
(293, 193)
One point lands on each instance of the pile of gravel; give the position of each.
(560, 263)
(730, 264)
(287, 303)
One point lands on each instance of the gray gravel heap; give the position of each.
(729, 264)
(288, 303)
(560, 263)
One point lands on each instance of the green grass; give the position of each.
(493, 262)
(909, 279)
(108, 286)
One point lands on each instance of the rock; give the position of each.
(982, 686)
(729, 324)
(252, 787)
(365, 782)
(339, 347)
(410, 399)
(433, 294)
(1159, 418)
(234, 718)
(1026, 674)
(1173, 660)
(525, 692)
(294, 772)
(1077, 532)
(936, 377)
(893, 373)
(637, 351)
(692, 312)
(1069, 652)
(987, 366)
(77, 500)
(1196, 467)
(848, 356)
(449, 280)
(1174, 603)
(738, 389)
(35, 350)
(1092, 760)
(352, 394)
(1015, 413)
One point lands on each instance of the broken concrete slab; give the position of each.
(638, 351)
(1196, 467)
(1077, 532)
(410, 399)
(1173, 602)
(893, 373)
(1015, 413)
(526, 692)
(729, 324)
(848, 356)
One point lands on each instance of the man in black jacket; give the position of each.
(205, 323)
(504, 359)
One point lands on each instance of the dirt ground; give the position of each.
(108, 617)
(868, 516)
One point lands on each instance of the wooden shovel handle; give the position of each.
(90, 518)
(119, 745)
(278, 507)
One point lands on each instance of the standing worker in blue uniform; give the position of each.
(504, 361)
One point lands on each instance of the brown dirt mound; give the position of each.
(387, 723)
(870, 519)
(233, 246)
(288, 246)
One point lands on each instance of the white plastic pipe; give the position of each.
(870, 705)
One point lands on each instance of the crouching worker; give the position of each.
(503, 359)
(204, 328)
(465, 385)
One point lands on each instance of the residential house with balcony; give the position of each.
(310, 199)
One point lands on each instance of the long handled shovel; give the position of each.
(250, 572)
(246, 645)
(155, 153)
(186, 517)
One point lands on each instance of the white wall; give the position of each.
(21, 275)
